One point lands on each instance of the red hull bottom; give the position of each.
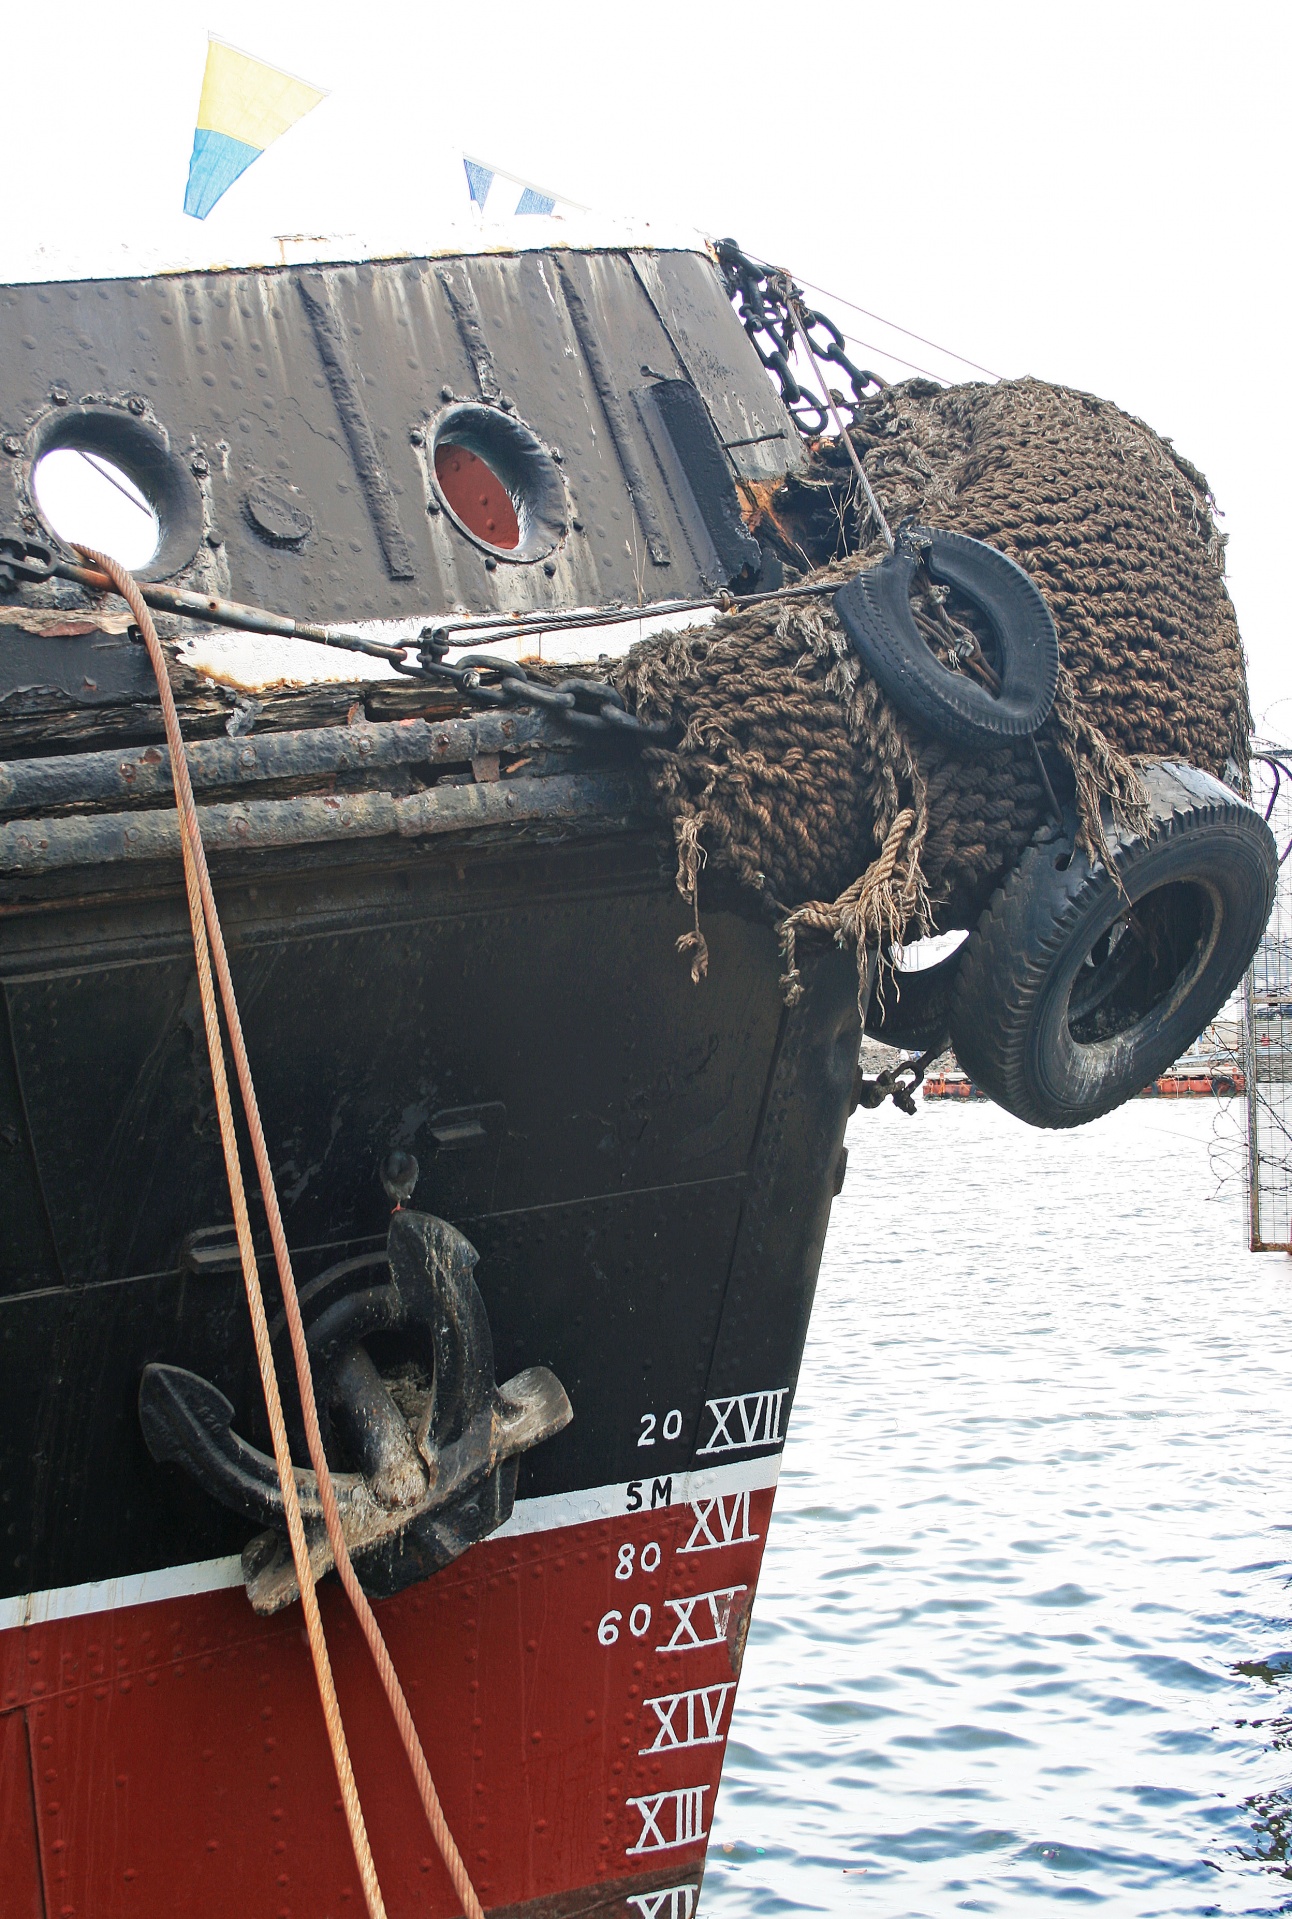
(573, 1687)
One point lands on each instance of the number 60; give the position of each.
(638, 1625)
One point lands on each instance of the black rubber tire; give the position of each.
(875, 610)
(1057, 1044)
(912, 1010)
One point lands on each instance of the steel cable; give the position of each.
(208, 943)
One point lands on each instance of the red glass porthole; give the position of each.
(477, 496)
(496, 482)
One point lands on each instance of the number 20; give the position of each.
(671, 1429)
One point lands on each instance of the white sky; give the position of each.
(1095, 194)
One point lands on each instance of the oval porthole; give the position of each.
(107, 478)
(497, 482)
(479, 500)
(89, 501)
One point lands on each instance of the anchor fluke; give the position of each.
(436, 1460)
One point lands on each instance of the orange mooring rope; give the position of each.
(208, 945)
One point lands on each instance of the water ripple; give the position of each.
(1024, 1632)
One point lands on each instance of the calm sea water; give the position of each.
(1024, 1630)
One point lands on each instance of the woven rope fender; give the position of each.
(796, 774)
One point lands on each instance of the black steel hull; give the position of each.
(647, 1181)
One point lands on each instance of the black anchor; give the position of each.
(436, 1472)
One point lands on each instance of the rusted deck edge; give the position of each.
(575, 799)
(143, 772)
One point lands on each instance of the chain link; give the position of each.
(893, 1082)
(589, 706)
(762, 296)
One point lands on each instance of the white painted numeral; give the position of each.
(689, 1718)
(648, 1430)
(670, 1819)
(638, 1625)
(670, 1902)
(744, 1420)
(702, 1619)
(672, 1426)
(720, 1521)
(649, 1560)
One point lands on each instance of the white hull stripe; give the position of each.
(551, 1514)
(131, 1589)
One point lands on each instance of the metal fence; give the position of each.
(1267, 1029)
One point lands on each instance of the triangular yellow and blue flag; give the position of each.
(245, 106)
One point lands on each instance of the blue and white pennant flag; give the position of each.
(481, 176)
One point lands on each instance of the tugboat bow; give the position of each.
(566, 960)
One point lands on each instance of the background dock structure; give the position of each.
(1267, 1028)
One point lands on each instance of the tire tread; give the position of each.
(1007, 962)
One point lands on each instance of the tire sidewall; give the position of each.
(874, 608)
(1072, 1082)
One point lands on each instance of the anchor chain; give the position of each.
(590, 706)
(769, 304)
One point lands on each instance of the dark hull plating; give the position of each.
(455, 941)
(648, 1190)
